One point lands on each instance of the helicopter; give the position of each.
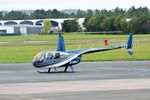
(51, 59)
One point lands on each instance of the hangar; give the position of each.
(33, 26)
(20, 29)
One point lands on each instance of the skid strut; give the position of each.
(71, 68)
(49, 70)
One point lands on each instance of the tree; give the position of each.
(108, 24)
(70, 26)
(47, 26)
(14, 15)
(120, 23)
(98, 22)
(89, 12)
(140, 24)
(56, 14)
(97, 12)
(94, 23)
(80, 14)
(104, 12)
(1, 15)
(86, 23)
(119, 11)
(133, 12)
(39, 14)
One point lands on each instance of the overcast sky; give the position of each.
(71, 4)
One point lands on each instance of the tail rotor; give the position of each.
(128, 45)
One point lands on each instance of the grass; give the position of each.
(21, 49)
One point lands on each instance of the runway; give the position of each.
(119, 80)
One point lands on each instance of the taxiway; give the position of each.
(119, 80)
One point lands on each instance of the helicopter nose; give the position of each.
(34, 64)
(37, 63)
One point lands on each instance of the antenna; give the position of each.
(79, 47)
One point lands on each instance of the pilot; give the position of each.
(48, 56)
(56, 55)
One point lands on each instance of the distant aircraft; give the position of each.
(62, 58)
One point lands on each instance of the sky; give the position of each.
(70, 4)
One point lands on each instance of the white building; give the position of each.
(31, 26)
(8, 29)
(20, 29)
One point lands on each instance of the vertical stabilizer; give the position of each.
(60, 44)
(129, 44)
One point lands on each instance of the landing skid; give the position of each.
(55, 70)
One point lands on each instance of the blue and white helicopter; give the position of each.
(62, 58)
